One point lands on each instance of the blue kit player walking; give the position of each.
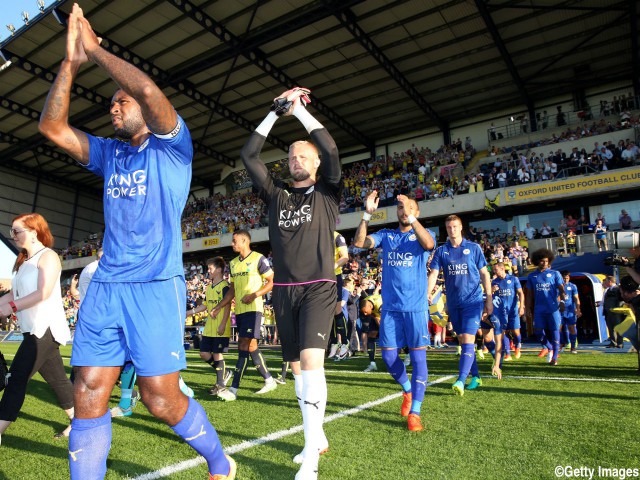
(508, 307)
(405, 310)
(134, 308)
(545, 286)
(571, 311)
(465, 276)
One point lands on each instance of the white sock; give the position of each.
(297, 385)
(314, 395)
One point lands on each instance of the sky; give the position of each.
(11, 12)
(7, 259)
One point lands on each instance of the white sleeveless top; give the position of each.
(47, 314)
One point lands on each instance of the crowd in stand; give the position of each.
(529, 167)
(88, 248)
(220, 214)
(405, 173)
(627, 119)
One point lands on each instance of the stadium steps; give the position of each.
(480, 155)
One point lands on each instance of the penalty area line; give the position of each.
(239, 447)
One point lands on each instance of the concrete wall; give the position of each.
(53, 202)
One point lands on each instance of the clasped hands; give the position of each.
(282, 104)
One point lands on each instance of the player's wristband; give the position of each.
(267, 124)
(13, 307)
(307, 120)
(411, 219)
(366, 216)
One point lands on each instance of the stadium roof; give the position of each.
(376, 68)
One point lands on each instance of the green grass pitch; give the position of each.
(582, 413)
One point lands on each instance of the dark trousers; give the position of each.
(40, 355)
(612, 321)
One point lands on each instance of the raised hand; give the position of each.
(286, 102)
(402, 199)
(75, 49)
(371, 202)
(90, 41)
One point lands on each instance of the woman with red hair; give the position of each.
(36, 300)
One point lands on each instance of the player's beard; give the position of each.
(130, 127)
(300, 175)
(404, 223)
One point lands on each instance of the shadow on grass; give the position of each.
(554, 393)
(60, 451)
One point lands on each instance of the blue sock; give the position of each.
(519, 341)
(555, 343)
(474, 368)
(419, 378)
(241, 366)
(89, 444)
(564, 334)
(396, 368)
(127, 381)
(573, 337)
(197, 431)
(466, 360)
(506, 347)
(491, 346)
(543, 339)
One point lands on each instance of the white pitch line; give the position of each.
(188, 464)
(573, 379)
(523, 377)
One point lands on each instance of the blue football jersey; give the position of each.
(145, 190)
(461, 268)
(544, 287)
(404, 270)
(569, 304)
(506, 298)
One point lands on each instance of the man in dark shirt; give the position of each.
(302, 219)
(631, 294)
(612, 299)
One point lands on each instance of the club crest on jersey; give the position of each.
(548, 275)
(412, 237)
(509, 282)
(466, 251)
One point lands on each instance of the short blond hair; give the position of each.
(304, 142)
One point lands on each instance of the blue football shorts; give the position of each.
(546, 320)
(494, 322)
(404, 329)
(466, 318)
(569, 318)
(141, 322)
